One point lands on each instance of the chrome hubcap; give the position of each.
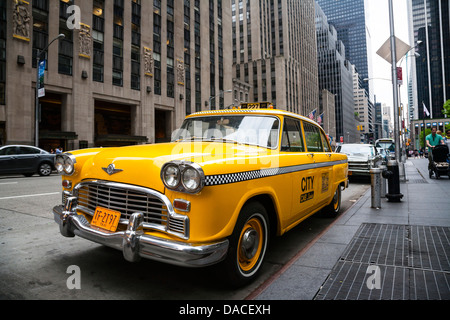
(249, 243)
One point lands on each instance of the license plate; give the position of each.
(106, 219)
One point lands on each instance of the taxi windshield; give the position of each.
(246, 129)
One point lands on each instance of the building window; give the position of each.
(136, 45)
(40, 28)
(157, 46)
(197, 40)
(170, 58)
(2, 54)
(65, 55)
(98, 28)
(187, 55)
(117, 73)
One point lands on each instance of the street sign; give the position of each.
(40, 84)
(399, 76)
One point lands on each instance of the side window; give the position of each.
(8, 151)
(313, 138)
(292, 140)
(28, 150)
(325, 143)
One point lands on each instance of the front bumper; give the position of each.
(135, 244)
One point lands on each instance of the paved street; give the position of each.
(34, 257)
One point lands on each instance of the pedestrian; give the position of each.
(58, 150)
(433, 140)
(447, 138)
(416, 154)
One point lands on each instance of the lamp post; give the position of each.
(394, 81)
(36, 115)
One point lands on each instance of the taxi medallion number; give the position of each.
(106, 219)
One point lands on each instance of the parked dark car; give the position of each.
(26, 160)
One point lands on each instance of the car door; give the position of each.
(8, 156)
(300, 166)
(318, 147)
(27, 159)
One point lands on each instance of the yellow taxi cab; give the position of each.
(228, 181)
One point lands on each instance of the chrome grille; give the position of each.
(358, 165)
(128, 199)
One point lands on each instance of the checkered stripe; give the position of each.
(215, 180)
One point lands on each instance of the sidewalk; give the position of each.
(398, 252)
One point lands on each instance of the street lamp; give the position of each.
(213, 97)
(36, 115)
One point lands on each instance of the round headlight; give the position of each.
(69, 166)
(59, 164)
(191, 179)
(171, 176)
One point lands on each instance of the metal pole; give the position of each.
(36, 117)
(394, 82)
(375, 179)
(442, 53)
(428, 58)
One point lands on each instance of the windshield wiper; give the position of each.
(189, 139)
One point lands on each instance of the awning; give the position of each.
(58, 135)
(121, 138)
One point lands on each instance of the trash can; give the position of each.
(393, 177)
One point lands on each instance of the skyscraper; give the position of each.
(433, 65)
(274, 52)
(349, 19)
(335, 75)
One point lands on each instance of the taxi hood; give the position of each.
(141, 165)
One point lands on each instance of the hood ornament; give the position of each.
(111, 169)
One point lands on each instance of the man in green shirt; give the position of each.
(433, 140)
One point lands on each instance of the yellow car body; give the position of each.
(200, 227)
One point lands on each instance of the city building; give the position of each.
(388, 124)
(364, 110)
(127, 71)
(335, 75)
(349, 19)
(433, 65)
(378, 123)
(327, 113)
(274, 53)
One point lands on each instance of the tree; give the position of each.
(446, 110)
(427, 132)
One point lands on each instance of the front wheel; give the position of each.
(44, 169)
(248, 245)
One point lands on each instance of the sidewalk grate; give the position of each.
(396, 262)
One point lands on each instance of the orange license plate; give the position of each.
(106, 219)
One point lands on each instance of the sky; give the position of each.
(380, 31)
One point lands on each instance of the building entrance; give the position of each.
(113, 125)
(51, 135)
